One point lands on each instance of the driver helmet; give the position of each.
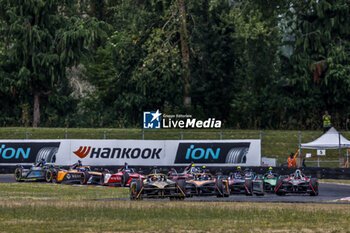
(270, 168)
(79, 163)
(297, 174)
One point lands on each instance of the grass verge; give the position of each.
(334, 181)
(165, 216)
(46, 191)
(64, 208)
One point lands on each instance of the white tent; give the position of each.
(332, 139)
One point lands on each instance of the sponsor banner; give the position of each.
(134, 152)
(27, 152)
(117, 152)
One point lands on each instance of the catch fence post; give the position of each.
(340, 163)
(104, 135)
(260, 136)
(182, 135)
(220, 135)
(66, 135)
(299, 148)
(143, 134)
(27, 135)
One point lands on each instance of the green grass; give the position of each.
(48, 191)
(63, 208)
(275, 143)
(37, 207)
(335, 181)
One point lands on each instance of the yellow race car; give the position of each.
(157, 186)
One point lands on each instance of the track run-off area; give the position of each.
(328, 193)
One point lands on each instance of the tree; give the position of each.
(42, 39)
(321, 59)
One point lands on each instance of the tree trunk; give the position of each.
(36, 111)
(185, 53)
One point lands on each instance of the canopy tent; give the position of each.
(332, 139)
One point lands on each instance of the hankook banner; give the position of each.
(134, 152)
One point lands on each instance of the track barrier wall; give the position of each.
(245, 152)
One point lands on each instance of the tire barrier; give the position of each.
(47, 153)
(237, 155)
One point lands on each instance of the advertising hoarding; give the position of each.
(133, 152)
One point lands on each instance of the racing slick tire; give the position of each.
(260, 191)
(18, 174)
(135, 188)
(84, 177)
(181, 184)
(102, 179)
(278, 186)
(49, 176)
(54, 175)
(248, 188)
(220, 188)
(125, 179)
(314, 187)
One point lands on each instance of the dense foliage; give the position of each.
(254, 64)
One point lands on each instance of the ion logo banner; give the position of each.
(28, 152)
(234, 153)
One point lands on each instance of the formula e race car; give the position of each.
(297, 183)
(204, 184)
(270, 180)
(248, 183)
(82, 175)
(157, 186)
(188, 173)
(35, 173)
(122, 178)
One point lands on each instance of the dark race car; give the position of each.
(35, 173)
(297, 183)
(80, 175)
(248, 183)
(123, 177)
(204, 184)
(188, 173)
(157, 186)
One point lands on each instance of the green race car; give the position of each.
(270, 180)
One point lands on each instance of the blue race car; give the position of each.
(38, 172)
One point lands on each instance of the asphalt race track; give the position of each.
(328, 193)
